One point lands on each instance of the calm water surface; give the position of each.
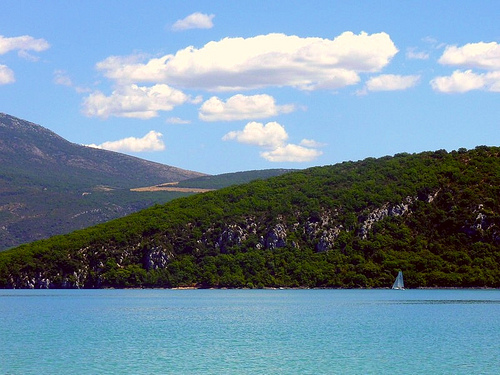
(249, 332)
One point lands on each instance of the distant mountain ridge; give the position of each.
(50, 186)
(29, 149)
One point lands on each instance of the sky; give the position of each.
(226, 86)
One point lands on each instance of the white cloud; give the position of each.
(62, 78)
(241, 107)
(433, 42)
(177, 120)
(414, 54)
(481, 55)
(27, 56)
(23, 44)
(127, 69)
(291, 153)
(6, 75)
(464, 81)
(194, 21)
(473, 55)
(134, 101)
(262, 61)
(391, 82)
(150, 142)
(272, 137)
(197, 100)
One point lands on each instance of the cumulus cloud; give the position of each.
(272, 137)
(291, 153)
(241, 107)
(234, 64)
(391, 82)
(194, 21)
(128, 69)
(23, 44)
(262, 61)
(6, 75)
(134, 101)
(464, 81)
(471, 56)
(150, 142)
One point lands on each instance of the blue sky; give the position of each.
(225, 86)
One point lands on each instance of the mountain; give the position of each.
(434, 215)
(37, 153)
(50, 186)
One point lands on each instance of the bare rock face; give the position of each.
(157, 258)
(276, 237)
(482, 225)
(383, 212)
(233, 235)
(327, 239)
(323, 229)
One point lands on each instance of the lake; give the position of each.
(249, 332)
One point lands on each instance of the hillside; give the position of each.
(208, 183)
(227, 179)
(51, 186)
(434, 215)
(35, 153)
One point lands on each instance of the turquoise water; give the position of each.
(249, 332)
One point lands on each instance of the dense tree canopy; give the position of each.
(434, 215)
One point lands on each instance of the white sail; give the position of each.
(399, 283)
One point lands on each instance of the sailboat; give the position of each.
(399, 283)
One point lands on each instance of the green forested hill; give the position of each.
(434, 215)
